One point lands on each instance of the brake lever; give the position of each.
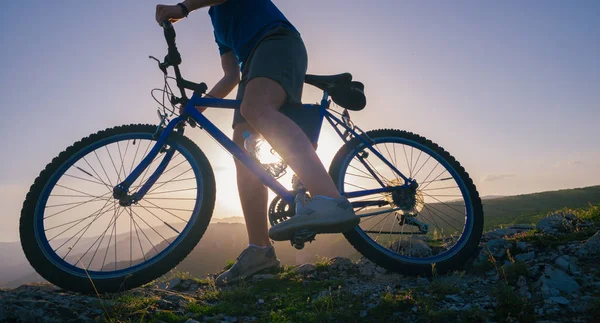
(162, 66)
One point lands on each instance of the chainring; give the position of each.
(280, 210)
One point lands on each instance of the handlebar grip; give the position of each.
(173, 56)
(169, 33)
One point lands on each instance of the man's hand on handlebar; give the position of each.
(167, 12)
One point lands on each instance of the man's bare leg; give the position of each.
(253, 196)
(260, 107)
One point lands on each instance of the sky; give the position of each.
(510, 88)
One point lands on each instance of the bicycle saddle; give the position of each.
(324, 82)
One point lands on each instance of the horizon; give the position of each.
(493, 83)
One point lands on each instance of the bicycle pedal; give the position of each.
(301, 237)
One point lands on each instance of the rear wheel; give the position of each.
(408, 230)
(79, 237)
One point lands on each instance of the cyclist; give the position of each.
(256, 39)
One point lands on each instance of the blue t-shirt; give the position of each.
(239, 24)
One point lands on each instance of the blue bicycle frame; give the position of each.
(239, 153)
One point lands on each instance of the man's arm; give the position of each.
(192, 5)
(175, 13)
(230, 80)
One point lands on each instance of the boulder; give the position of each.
(591, 248)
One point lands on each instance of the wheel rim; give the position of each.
(100, 166)
(416, 159)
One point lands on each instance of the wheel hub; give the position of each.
(406, 196)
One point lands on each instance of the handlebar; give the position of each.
(173, 58)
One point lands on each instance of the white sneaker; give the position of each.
(320, 215)
(249, 262)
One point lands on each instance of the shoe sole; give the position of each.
(324, 226)
(253, 272)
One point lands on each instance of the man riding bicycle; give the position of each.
(256, 39)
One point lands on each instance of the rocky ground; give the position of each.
(543, 273)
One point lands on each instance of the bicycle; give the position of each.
(142, 198)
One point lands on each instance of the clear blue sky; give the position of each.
(511, 88)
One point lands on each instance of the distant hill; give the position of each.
(528, 208)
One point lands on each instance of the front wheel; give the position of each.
(435, 221)
(79, 237)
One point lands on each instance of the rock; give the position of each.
(455, 298)
(522, 227)
(305, 269)
(566, 264)
(174, 283)
(559, 300)
(263, 276)
(523, 246)
(363, 313)
(523, 288)
(558, 279)
(561, 222)
(340, 263)
(412, 247)
(191, 321)
(164, 304)
(496, 247)
(368, 269)
(500, 233)
(261, 301)
(525, 257)
(591, 248)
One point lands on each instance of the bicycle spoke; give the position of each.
(433, 180)
(171, 198)
(362, 188)
(439, 188)
(85, 179)
(164, 239)
(84, 231)
(113, 163)
(135, 225)
(80, 204)
(103, 169)
(172, 191)
(99, 244)
(164, 209)
(108, 246)
(159, 186)
(81, 221)
(91, 246)
(426, 178)
(391, 159)
(412, 149)
(446, 204)
(441, 218)
(424, 163)
(369, 178)
(88, 201)
(94, 170)
(406, 158)
(147, 167)
(122, 167)
(134, 156)
(412, 167)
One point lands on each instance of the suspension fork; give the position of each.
(121, 191)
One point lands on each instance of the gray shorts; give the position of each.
(281, 56)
